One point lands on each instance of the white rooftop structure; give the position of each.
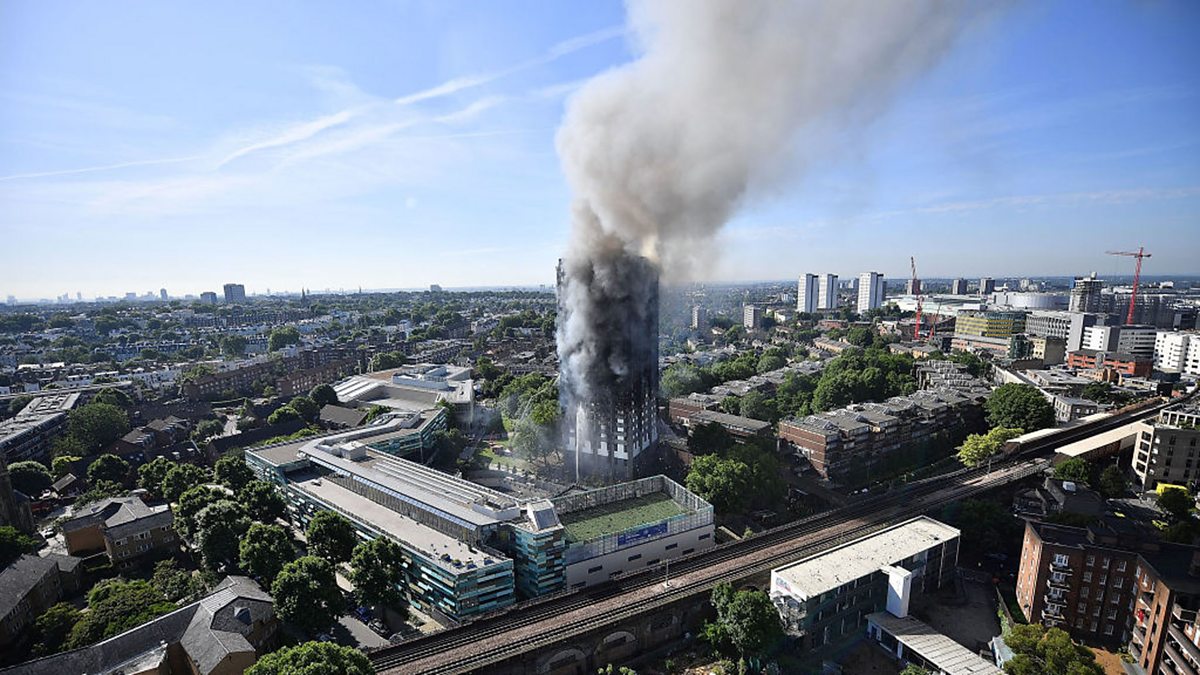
(853, 560)
(944, 654)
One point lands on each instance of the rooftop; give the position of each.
(619, 516)
(20, 577)
(945, 654)
(826, 571)
(441, 549)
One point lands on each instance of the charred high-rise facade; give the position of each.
(608, 361)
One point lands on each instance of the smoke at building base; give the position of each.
(726, 99)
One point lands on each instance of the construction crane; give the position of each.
(916, 329)
(1137, 276)
(937, 316)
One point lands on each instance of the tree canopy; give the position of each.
(14, 544)
(181, 478)
(977, 448)
(1038, 650)
(724, 483)
(1112, 482)
(265, 550)
(262, 501)
(307, 595)
(151, 475)
(108, 467)
(113, 396)
(377, 566)
(115, 606)
(30, 478)
(1176, 502)
(1019, 406)
(1075, 469)
(96, 425)
(313, 658)
(746, 620)
(282, 337)
(331, 536)
(219, 528)
(323, 395)
(232, 472)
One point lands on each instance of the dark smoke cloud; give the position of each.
(661, 153)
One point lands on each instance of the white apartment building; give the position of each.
(1170, 350)
(827, 291)
(752, 316)
(1135, 340)
(870, 291)
(806, 294)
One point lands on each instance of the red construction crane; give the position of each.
(917, 329)
(1137, 276)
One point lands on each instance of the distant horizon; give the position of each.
(549, 286)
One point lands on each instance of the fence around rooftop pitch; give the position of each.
(699, 514)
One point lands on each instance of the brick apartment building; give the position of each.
(852, 442)
(124, 528)
(1081, 579)
(1166, 630)
(1126, 364)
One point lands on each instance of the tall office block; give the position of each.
(1085, 294)
(958, 287)
(987, 285)
(235, 293)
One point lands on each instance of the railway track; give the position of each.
(812, 534)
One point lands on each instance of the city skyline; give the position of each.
(417, 147)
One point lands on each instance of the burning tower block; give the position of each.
(608, 361)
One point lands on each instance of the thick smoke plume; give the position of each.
(660, 153)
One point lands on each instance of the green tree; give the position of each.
(724, 483)
(114, 397)
(331, 536)
(756, 405)
(206, 429)
(265, 550)
(1019, 406)
(985, 525)
(746, 620)
(53, 627)
(282, 337)
(30, 478)
(175, 584)
(14, 544)
(1112, 482)
(262, 501)
(181, 478)
(284, 415)
(61, 465)
(709, 438)
(96, 425)
(18, 403)
(233, 346)
(1075, 469)
(377, 566)
(1038, 650)
(69, 446)
(913, 669)
(233, 472)
(772, 359)
(313, 658)
(1176, 502)
(192, 501)
(218, 531)
(324, 395)
(115, 606)
(681, 379)
(152, 473)
(98, 491)
(308, 408)
(387, 361)
(307, 595)
(109, 468)
(977, 448)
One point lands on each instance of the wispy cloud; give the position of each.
(1128, 196)
(103, 167)
(293, 134)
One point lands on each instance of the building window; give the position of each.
(1085, 591)
(703, 537)
(1091, 560)
(672, 546)
(1108, 629)
(1087, 577)
(635, 556)
(597, 568)
(1121, 566)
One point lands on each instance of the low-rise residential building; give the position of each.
(1068, 408)
(1056, 496)
(1166, 450)
(825, 599)
(28, 587)
(124, 528)
(851, 444)
(1177, 352)
(223, 633)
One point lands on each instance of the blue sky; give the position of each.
(289, 144)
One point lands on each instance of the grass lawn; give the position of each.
(618, 516)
